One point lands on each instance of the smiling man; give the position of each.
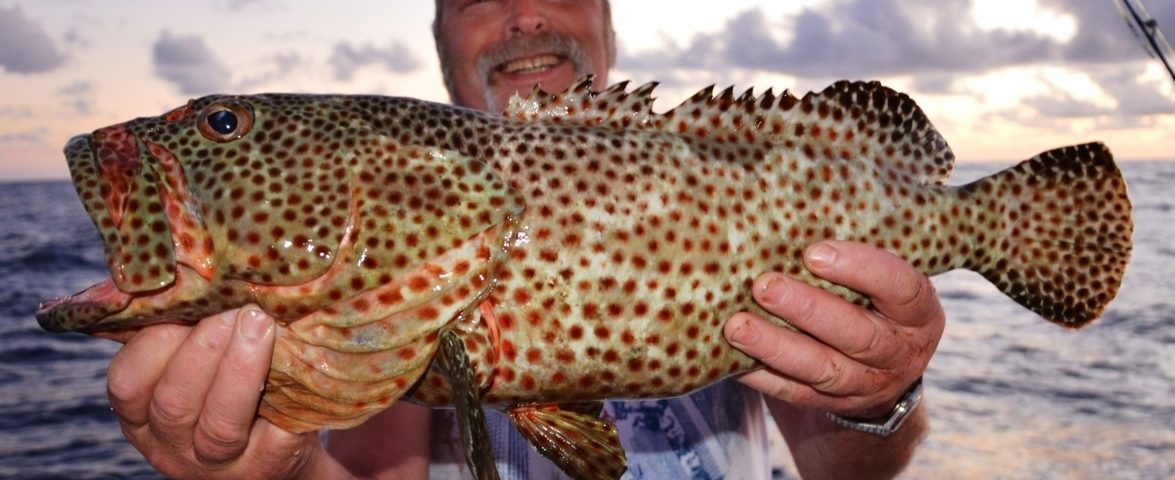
(550, 45)
(187, 396)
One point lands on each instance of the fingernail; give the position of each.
(253, 325)
(821, 256)
(745, 334)
(772, 292)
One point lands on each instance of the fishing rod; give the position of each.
(1141, 22)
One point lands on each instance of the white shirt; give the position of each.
(719, 432)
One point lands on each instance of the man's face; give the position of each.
(498, 47)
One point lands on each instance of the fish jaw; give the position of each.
(80, 311)
(119, 190)
(136, 196)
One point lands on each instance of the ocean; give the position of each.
(1010, 396)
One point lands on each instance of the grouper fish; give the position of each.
(578, 247)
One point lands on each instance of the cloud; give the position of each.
(1134, 95)
(15, 113)
(75, 96)
(25, 47)
(933, 44)
(1102, 35)
(187, 63)
(879, 38)
(275, 67)
(242, 4)
(858, 39)
(345, 58)
(34, 136)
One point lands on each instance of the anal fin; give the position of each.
(471, 419)
(573, 436)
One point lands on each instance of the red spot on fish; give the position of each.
(178, 114)
(521, 296)
(508, 350)
(360, 305)
(611, 356)
(418, 283)
(627, 337)
(390, 297)
(565, 356)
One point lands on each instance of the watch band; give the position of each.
(895, 419)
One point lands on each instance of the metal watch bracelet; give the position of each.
(890, 424)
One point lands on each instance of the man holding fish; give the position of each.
(187, 396)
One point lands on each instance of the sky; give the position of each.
(1001, 79)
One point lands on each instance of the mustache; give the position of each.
(529, 45)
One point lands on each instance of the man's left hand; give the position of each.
(850, 360)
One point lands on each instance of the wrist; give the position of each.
(883, 410)
(321, 464)
(883, 422)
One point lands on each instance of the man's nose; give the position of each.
(526, 17)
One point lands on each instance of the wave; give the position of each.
(50, 258)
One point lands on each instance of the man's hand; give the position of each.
(850, 360)
(187, 398)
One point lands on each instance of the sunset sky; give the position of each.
(1002, 79)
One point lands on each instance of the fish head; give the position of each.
(224, 192)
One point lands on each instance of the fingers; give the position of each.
(187, 399)
(230, 407)
(137, 368)
(848, 358)
(799, 361)
(896, 289)
(179, 395)
(846, 327)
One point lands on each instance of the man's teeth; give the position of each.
(529, 65)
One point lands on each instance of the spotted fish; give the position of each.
(579, 247)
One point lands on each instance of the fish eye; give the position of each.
(225, 122)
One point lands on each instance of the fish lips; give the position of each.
(84, 311)
(118, 186)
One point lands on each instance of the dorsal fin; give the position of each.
(903, 137)
(614, 107)
(861, 121)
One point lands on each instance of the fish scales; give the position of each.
(578, 248)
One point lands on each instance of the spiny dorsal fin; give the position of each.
(857, 121)
(862, 121)
(614, 107)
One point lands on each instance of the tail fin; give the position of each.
(1057, 235)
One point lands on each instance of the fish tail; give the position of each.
(1054, 232)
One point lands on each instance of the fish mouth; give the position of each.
(81, 311)
(122, 191)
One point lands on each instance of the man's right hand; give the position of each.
(187, 397)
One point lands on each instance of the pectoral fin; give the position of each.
(471, 419)
(574, 437)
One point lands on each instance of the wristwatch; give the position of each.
(885, 427)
